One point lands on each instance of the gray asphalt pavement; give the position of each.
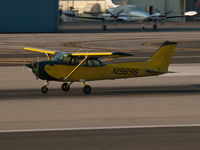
(141, 44)
(171, 99)
(156, 138)
(168, 99)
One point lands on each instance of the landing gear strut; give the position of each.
(143, 26)
(86, 88)
(155, 26)
(45, 89)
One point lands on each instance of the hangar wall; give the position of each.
(28, 16)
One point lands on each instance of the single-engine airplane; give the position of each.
(82, 67)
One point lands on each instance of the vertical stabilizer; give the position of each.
(110, 4)
(161, 59)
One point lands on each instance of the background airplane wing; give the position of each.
(103, 54)
(92, 18)
(40, 50)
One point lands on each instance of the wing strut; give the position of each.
(48, 56)
(69, 75)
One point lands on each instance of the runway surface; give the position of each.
(168, 99)
(141, 44)
(163, 101)
(151, 138)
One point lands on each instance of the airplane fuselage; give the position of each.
(49, 70)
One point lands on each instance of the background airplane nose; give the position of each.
(139, 14)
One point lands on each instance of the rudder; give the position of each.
(162, 57)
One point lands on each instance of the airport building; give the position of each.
(43, 15)
(177, 6)
(28, 16)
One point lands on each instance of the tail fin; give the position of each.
(110, 4)
(161, 59)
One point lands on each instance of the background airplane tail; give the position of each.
(110, 4)
(162, 57)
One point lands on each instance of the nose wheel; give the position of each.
(45, 89)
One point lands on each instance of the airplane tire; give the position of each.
(143, 28)
(87, 89)
(65, 87)
(155, 27)
(104, 27)
(44, 90)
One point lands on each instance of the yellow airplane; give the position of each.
(81, 67)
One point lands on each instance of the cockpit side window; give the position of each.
(74, 61)
(67, 59)
(62, 58)
(92, 62)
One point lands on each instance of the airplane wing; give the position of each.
(112, 17)
(40, 50)
(92, 18)
(47, 52)
(88, 54)
(103, 54)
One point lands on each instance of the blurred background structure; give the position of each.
(178, 7)
(45, 15)
(28, 16)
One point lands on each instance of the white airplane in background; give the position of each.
(130, 13)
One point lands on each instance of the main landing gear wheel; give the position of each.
(65, 87)
(104, 27)
(87, 89)
(155, 27)
(44, 89)
(143, 28)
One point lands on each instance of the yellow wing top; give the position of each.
(103, 54)
(82, 54)
(40, 50)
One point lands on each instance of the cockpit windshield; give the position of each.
(67, 59)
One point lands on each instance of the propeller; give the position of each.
(163, 14)
(24, 67)
(38, 64)
(34, 66)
